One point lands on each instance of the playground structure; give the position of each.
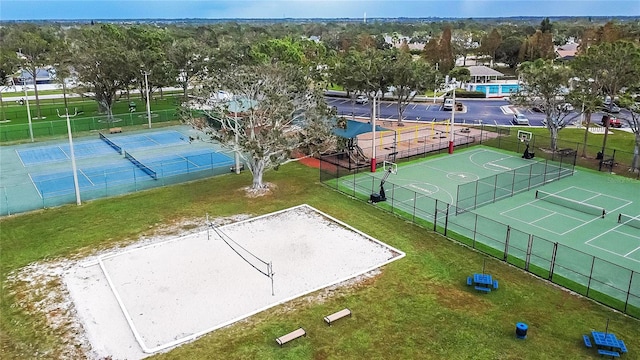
(394, 141)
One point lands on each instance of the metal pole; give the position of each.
(235, 144)
(146, 83)
(26, 98)
(453, 112)
(73, 157)
(373, 138)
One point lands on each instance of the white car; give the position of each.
(361, 99)
(447, 105)
(520, 119)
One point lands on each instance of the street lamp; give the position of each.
(373, 131)
(453, 113)
(146, 83)
(73, 157)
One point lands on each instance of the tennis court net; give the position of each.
(633, 221)
(141, 166)
(570, 203)
(111, 143)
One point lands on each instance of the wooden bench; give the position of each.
(608, 353)
(291, 336)
(115, 130)
(482, 288)
(587, 341)
(336, 316)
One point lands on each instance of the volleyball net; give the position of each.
(262, 266)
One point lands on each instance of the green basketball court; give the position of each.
(573, 225)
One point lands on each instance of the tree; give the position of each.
(445, 50)
(543, 85)
(99, 59)
(271, 99)
(586, 97)
(408, 78)
(537, 46)
(8, 65)
(634, 124)
(187, 57)
(508, 50)
(545, 25)
(368, 72)
(491, 43)
(461, 74)
(612, 66)
(35, 45)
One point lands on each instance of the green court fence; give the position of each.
(588, 156)
(493, 188)
(595, 278)
(16, 132)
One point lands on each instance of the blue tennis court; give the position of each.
(49, 154)
(127, 172)
(141, 141)
(99, 147)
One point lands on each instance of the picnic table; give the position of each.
(482, 282)
(607, 343)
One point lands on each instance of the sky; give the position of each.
(256, 9)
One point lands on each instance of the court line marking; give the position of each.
(607, 250)
(35, 186)
(598, 194)
(552, 213)
(64, 152)
(87, 177)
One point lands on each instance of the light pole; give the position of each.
(73, 157)
(373, 131)
(146, 84)
(453, 114)
(26, 98)
(235, 144)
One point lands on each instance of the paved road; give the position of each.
(484, 111)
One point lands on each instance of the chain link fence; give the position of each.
(603, 281)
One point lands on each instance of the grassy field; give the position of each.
(17, 114)
(416, 308)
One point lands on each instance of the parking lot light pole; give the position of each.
(373, 131)
(453, 113)
(73, 157)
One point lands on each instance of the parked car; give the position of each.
(566, 107)
(538, 108)
(520, 119)
(612, 108)
(448, 104)
(613, 121)
(362, 99)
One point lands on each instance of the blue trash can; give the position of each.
(521, 330)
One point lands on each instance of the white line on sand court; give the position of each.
(174, 291)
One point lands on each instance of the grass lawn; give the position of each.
(417, 308)
(17, 114)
